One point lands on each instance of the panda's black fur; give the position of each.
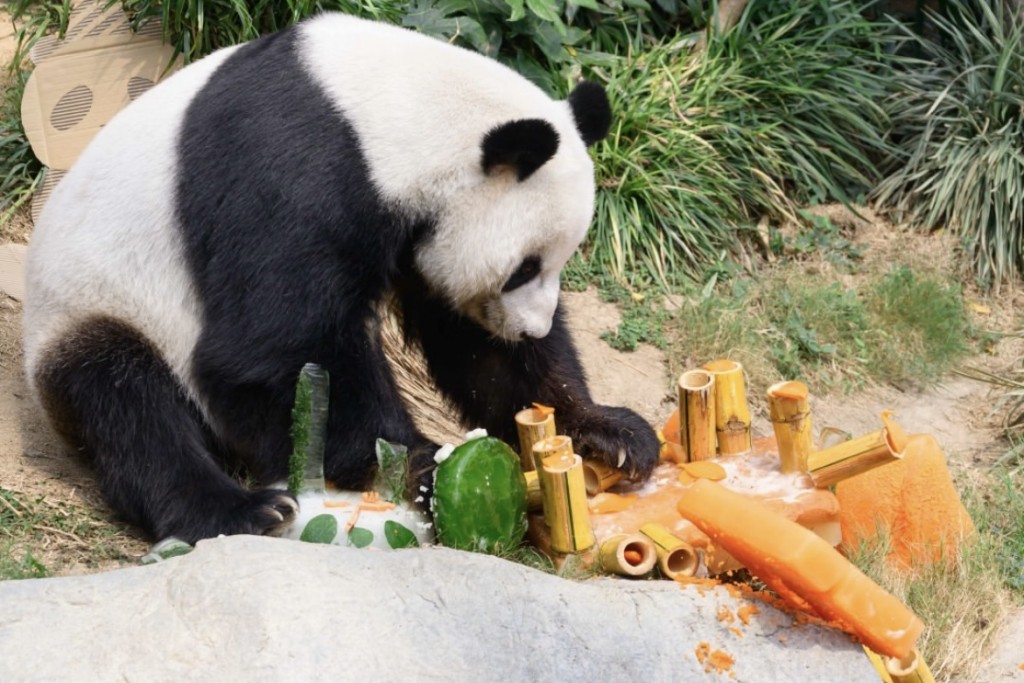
(289, 245)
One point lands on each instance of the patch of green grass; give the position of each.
(20, 171)
(27, 526)
(928, 329)
(899, 327)
(20, 564)
(998, 512)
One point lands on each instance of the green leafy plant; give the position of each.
(958, 120)
(548, 41)
(392, 471)
(358, 537)
(783, 110)
(817, 235)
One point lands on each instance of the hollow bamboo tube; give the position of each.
(801, 567)
(909, 669)
(533, 425)
(565, 503)
(547, 447)
(534, 496)
(790, 414)
(598, 477)
(732, 415)
(850, 458)
(627, 555)
(552, 445)
(676, 557)
(878, 664)
(697, 415)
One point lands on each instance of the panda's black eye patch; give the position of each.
(527, 270)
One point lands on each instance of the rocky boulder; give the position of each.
(250, 608)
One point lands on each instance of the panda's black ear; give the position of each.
(590, 108)
(523, 146)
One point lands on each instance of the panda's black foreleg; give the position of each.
(252, 401)
(112, 395)
(491, 379)
(366, 406)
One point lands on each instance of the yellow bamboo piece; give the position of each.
(534, 496)
(533, 424)
(565, 503)
(676, 557)
(732, 414)
(850, 458)
(909, 669)
(790, 414)
(879, 664)
(697, 415)
(551, 446)
(627, 555)
(598, 477)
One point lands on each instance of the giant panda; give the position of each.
(252, 212)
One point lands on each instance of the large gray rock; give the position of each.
(255, 609)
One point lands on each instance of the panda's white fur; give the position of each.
(106, 240)
(432, 167)
(163, 335)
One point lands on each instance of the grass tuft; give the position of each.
(28, 527)
(705, 143)
(958, 121)
(899, 327)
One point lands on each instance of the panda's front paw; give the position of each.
(618, 437)
(420, 482)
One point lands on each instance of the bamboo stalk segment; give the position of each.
(853, 457)
(533, 424)
(598, 477)
(790, 414)
(552, 445)
(732, 414)
(697, 415)
(676, 557)
(627, 555)
(565, 503)
(534, 496)
(909, 669)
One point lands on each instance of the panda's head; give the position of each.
(514, 219)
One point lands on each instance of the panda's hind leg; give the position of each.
(111, 395)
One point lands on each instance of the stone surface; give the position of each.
(254, 609)
(1006, 665)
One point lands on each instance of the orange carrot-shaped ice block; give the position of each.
(801, 567)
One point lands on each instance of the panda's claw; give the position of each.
(618, 437)
(268, 512)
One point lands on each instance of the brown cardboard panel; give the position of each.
(70, 96)
(51, 176)
(12, 270)
(87, 21)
